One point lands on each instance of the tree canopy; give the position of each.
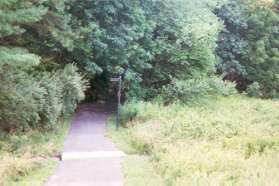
(153, 44)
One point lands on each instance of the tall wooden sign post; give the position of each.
(119, 80)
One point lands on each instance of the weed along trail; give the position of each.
(89, 158)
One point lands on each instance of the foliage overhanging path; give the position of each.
(89, 158)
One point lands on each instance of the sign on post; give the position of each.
(119, 80)
(115, 79)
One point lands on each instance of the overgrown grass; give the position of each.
(228, 141)
(29, 158)
(137, 167)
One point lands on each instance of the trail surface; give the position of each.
(89, 158)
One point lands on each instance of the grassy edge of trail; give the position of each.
(137, 167)
(30, 158)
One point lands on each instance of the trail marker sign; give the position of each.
(115, 79)
(119, 80)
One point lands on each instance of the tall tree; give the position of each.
(15, 15)
(248, 48)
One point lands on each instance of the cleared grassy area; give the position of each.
(28, 158)
(228, 141)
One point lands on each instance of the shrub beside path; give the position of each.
(89, 158)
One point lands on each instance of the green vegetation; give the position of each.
(228, 141)
(151, 43)
(36, 93)
(157, 46)
(138, 172)
(156, 43)
(29, 158)
(33, 93)
(248, 46)
(181, 55)
(136, 165)
(194, 90)
(38, 100)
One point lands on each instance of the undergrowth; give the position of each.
(29, 158)
(228, 141)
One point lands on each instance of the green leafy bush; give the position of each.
(52, 107)
(18, 57)
(137, 91)
(38, 99)
(21, 97)
(195, 89)
(128, 113)
(254, 90)
(74, 85)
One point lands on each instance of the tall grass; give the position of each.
(28, 158)
(229, 141)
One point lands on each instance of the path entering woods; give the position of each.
(89, 158)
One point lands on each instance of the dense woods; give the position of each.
(175, 49)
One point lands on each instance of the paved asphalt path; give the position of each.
(89, 158)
